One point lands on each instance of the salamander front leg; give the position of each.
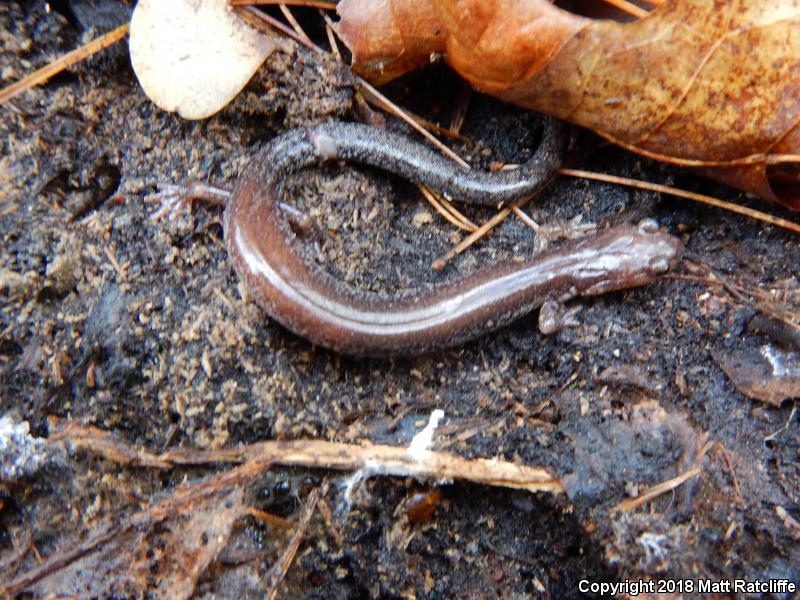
(555, 316)
(173, 199)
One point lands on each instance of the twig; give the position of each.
(772, 436)
(458, 215)
(758, 158)
(327, 516)
(269, 518)
(523, 216)
(369, 91)
(447, 211)
(281, 567)
(256, 459)
(629, 8)
(729, 463)
(379, 459)
(41, 75)
(665, 189)
(664, 486)
(657, 490)
(113, 259)
(293, 22)
(331, 38)
(498, 218)
(747, 296)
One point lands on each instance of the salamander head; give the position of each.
(629, 256)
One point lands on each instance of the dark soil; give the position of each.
(165, 353)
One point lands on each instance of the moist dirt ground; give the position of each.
(140, 328)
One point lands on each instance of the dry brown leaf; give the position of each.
(712, 86)
(383, 46)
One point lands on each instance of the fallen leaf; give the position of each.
(381, 41)
(161, 551)
(710, 86)
(768, 374)
(194, 57)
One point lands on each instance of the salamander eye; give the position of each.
(648, 226)
(659, 265)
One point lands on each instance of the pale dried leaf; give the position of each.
(194, 56)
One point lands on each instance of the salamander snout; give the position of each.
(628, 256)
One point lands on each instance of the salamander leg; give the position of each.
(554, 316)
